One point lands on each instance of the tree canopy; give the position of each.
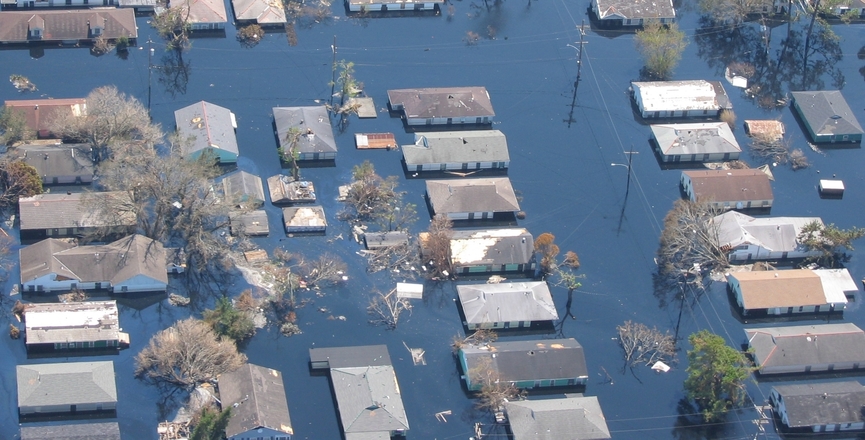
(661, 47)
(226, 320)
(13, 126)
(17, 179)
(830, 240)
(716, 375)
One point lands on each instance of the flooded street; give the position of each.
(561, 146)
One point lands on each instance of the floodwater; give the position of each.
(561, 150)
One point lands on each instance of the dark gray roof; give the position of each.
(695, 138)
(369, 399)
(457, 147)
(260, 11)
(316, 133)
(79, 431)
(826, 112)
(634, 9)
(116, 262)
(491, 246)
(250, 223)
(355, 356)
(530, 360)
(445, 102)
(66, 383)
(48, 211)
(825, 403)
(507, 302)
(556, 419)
(798, 345)
(65, 160)
(493, 194)
(241, 187)
(49, 323)
(210, 124)
(257, 397)
(378, 240)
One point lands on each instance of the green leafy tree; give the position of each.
(17, 179)
(13, 126)
(661, 47)
(830, 240)
(716, 375)
(226, 320)
(211, 424)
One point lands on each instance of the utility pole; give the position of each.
(630, 154)
(149, 71)
(579, 49)
(333, 71)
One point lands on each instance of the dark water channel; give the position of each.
(561, 163)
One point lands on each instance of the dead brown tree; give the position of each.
(327, 269)
(386, 308)
(644, 345)
(547, 250)
(402, 258)
(689, 247)
(186, 354)
(494, 391)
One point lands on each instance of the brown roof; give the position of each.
(257, 397)
(444, 102)
(205, 11)
(39, 112)
(67, 24)
(49, 211)
(768, 127)
(730, 185)
(259, 11)
(781, 288)
(493, 194)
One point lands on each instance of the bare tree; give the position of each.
(327, 269)
(402, 258)
(494, 391)
(386, 308)
(187, 354)
(112, 117)
(436, 247)
(646, 346)
(373, 198)
(13, 126)
(689, 245)
(481, 336)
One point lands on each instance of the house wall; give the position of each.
(207, 26)
(674, 113)
(317, 156)
(811, 368)
(64, 3)
(470, 215)
(382, 7)
(713, 157)
(754, 252)
(261, 433)
(546, 383)
(218, 153)
(687, 187)
(467, 166)
(449, 121)
(139, 283)
(469, 269)
(53, 409)
(48, 283)
(498, 325)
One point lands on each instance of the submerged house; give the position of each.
(472, 199)
(827, 116)
(820, 407)
(367, 393)
(70, 431)
(304, 219)
(259, 409)
(485, 251)
(39, 113)
(132, 264)
(457, 150)
(74, 325)
(261, 12)
(392, 5)
(698, 142)
(526, 364)
(252, 223)
(807, 348)
(285, 190)
(59, 164)
(572, 417)
(618, 13)
(747, 238)
(787, 292)
(506, 304)
(203, 15)
(729, 189)
(680, 99)
(66, 388)
(66, 215)
(243, 189)
(443, 106)
(310, 128)
(213, 131)
(68, 26)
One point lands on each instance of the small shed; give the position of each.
(250, 223)
(304, 219)
(768, 128)
(831, 187)
(409, 290)
(285, 190)
(375, 141)
(379, 240)
(365, 107)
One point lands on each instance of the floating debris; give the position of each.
(22, 83)
(495, 279)
(661, 367)
(416, 354)
(440, 416)
(289, 329)
(178, 300)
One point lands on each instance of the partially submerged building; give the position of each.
(729, 189)
(69, 215)
(259, 408)
(252, 223)
(807, 348)
(571, 417)
(457, 151)
(307, 130)
(695, 142)
(747, 238)
(261, 12)
(506, 304)
(820, 407)
(70, 431)
(285, 190)
(787, 292)
(618, 13)
(68, 26)
(40, 113)
(68, 388)
(525, 364)
(203, 15)
(443, 105)
(304, 219)
(485, 251)
(826, 116)
(59, 164)
(211, 128)
(365, 386)
(392, 5)
(472, 199)
(243, 189)
(74, 325)
(680, 99)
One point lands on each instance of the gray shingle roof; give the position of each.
(48, 211)
(116, 262)
(257, 397)
(556, 419)
(369, 399)
(250, 223)
(242, 187)
(210, 124)
(695, 138)
(491, 246)
(635, 9)
(777, 234)
(457, 147)
(543, 359)
(58, 161)
(316, 133)
(260, 11)
(494, 194)
(67, 383)
(445, 102)
(825, 403)
(49, 323)
(79, 431)
(354, 356)
(827, 112)
(507, 302)
(798, 345)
